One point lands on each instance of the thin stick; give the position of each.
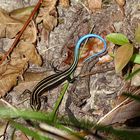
(21, 32)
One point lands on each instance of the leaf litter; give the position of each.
(25, 52)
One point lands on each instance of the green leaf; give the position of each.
(137, 34)
(135, 58)
(135, 97)
(131, 75)
(26, 114)
(88, 126)
(58, 102)
(122, 56)
(29, 132)
(71, 132)
(117, 38)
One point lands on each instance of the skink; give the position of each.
(54, 80)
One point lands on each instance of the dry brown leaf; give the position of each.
(122, 56)
(28, 51)
(21, 14)
(64, 3)
(35, 76)
(30, 34)
(16, 66)
(121, 114)
(48, 14)
(3, 68)
(135, 81)
(7, 82)
(10, 73)
(8, 27)
(3, 126)
(94, 5)
(128, 109)
(121, 2)
(25, 52)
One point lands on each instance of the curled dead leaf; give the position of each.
(9, 72)
(48, 14)
(94, 5)
(122, 56)
(25, 52)
(121, 2)
(9, 27)
(50, 21)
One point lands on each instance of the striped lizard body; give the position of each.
(54, 80)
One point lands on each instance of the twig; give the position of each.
(21, 32)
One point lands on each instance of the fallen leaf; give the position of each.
(10, 73)
(48, 14)
(135, 58)
(28, 51)
(25, 52)
(126, 110)
(64, 3)
(121, 113)
(137, 34)
(30, 34)
(135, 81)
(3, 126)
(94, 5)
(121, 2)
(21, 14)
(117, 38)
(7, 82)
(9, 27)
(122, 56)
